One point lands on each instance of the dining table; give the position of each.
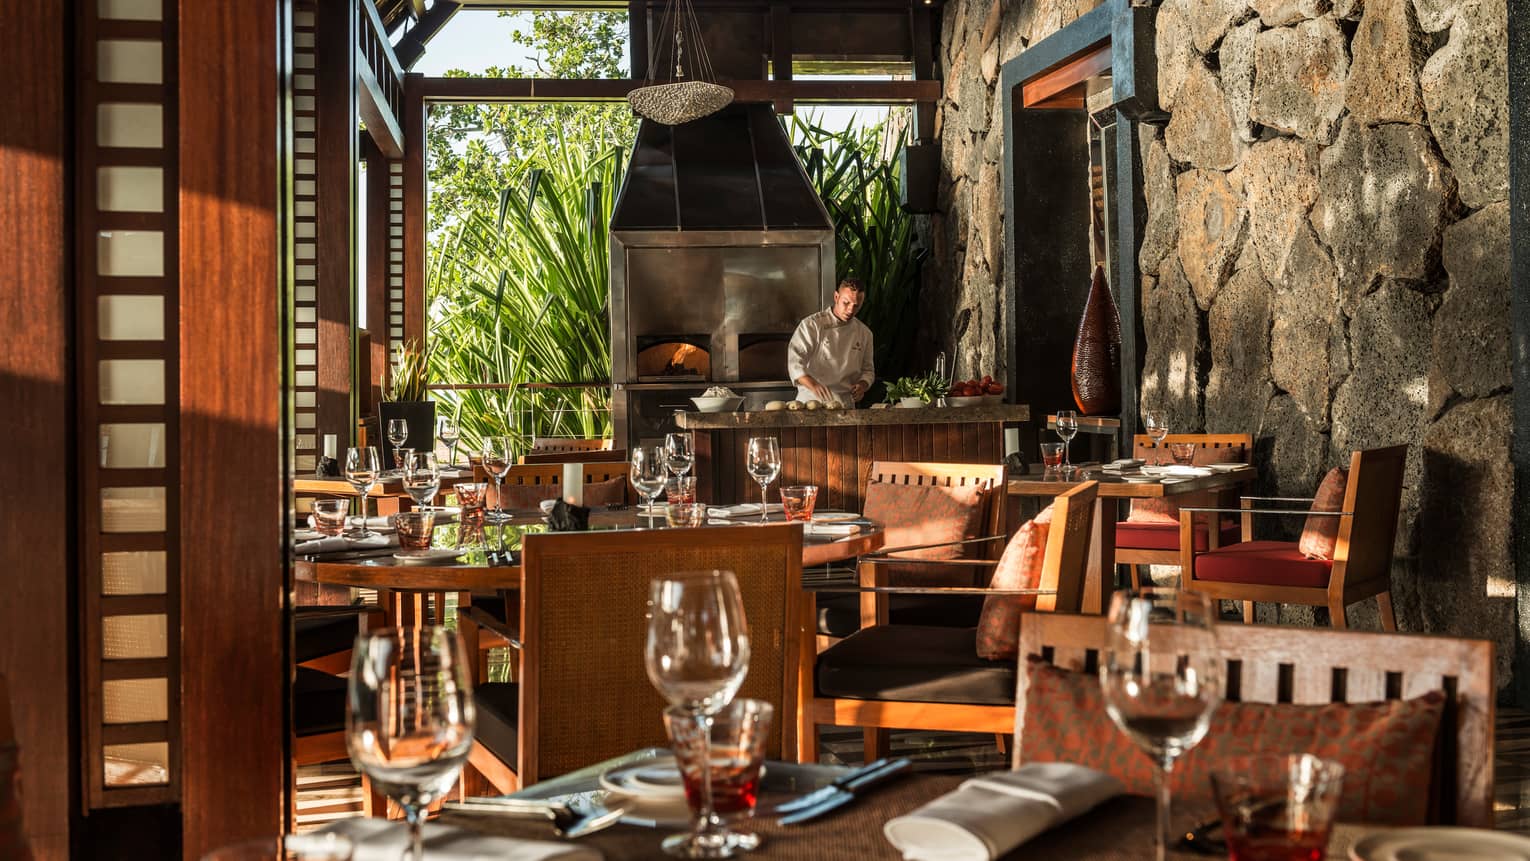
(1099, 578)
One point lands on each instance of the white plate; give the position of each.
(1441, 844)
(434, 554)
(1226, 467)
(834, 516)
(658, 780)
(1138, 478)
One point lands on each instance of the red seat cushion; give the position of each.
(1267, 563)
(1165, 536)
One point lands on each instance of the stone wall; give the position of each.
(1325, 261)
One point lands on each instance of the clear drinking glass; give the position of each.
(422, 478)
(731, 756)
(448, 433)
(678, 454)
(764, 464)
(409, 719)
(798, 501)
(361, 472)
(1182, 452)
(1067, 428)
(1156, 423)
(329, 515)
(1161, 676)
(398, 433)
(648, 473)
(1051, 456)
(498, 454)
(1277, 806)
(697, 654)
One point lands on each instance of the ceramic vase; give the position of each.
(1097, 352)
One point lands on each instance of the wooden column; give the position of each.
(35, 646)
(374, 362)
(234, 276)
(414, 208)
(336, 163)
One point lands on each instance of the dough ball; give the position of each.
(813, 405)
(794, 405)
(776, 405)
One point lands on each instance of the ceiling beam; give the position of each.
(499, 90)
(411, 48)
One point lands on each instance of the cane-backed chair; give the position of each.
(1139, 544)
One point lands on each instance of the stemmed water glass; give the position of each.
(764, 465)
(648, 478)
(409, 719)
(448, 433)
(1161, 676)
(1067, 428)
(697, 654)
(1156, 423)
(361, 472)
(422, 478)
(497, 455)
(398, 434)
(678, 454)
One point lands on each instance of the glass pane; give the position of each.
(307, 421)
(305, 463)
(131, 318)
(130, 189)
(137, 764)
(133, 446)
(133, 381)
(306, 400)
(133, 509)
(130, 125)
(306, 379)
(135, 700)
(132, 253)
(130, 10)
(129, 61)
(132, 637)
(140, 572)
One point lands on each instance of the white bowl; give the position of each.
(973, 401)
(911, 403)
(717, 405)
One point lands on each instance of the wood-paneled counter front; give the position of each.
(834, 449)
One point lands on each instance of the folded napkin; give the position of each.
(831, 528)
(381, 840)
(1182, 471)
(988, 816)
(740, 510)
(1123, 465)
(456, 473)
(340, 543)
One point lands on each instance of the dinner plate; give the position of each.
(834, 516)
(656, 780)
(1138, 478)
(433, 554)
(1441, 844)
(1226, 467)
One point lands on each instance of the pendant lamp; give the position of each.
(676, 99)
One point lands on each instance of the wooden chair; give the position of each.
(944, 685)
(1140, 544)
(1252, 571)
(319, 689)
(574, 449)
(583, 693)
(1269, 665)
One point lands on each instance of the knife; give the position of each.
(839, 796)
(823, 792)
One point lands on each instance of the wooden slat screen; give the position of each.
(305, 216)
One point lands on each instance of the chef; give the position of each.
(829, 357)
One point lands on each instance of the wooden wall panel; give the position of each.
(232, 471)
(414, 206)
(307, 443)
(336, 158)
(35, 622)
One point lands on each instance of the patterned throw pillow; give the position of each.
(998, 633)
(1321, 534)
(919, 514)
(1386, 748)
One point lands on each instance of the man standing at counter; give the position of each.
(829, 357)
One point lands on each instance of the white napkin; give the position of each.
(338, 543)
(988, 816)
(1182, 471)
(831, 528)
(740, 510)
(1124, 464)
(381, 840)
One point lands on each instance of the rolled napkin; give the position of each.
(339, 543)
(381, 840)
(741, 510)
(988, 816)
(381, 524)
(1183, 471)
(832, 528)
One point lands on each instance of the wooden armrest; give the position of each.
(1276, 498)
(887, 551)
(879, 560)
(480, 617)
(1262, 511)
(332, 611)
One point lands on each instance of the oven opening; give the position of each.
(762, 356)
(674, 357)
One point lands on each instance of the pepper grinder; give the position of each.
(329, 465)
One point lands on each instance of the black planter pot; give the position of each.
(421, 416)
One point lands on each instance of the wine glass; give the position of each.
(409, 719)
(678, 454)
(398, 434)
(448, 433)
(764, 464)
(497, 455)
(361, 472)
(1067, 428)
(1156, 423)
(648, 476)
(697, 654)
(422, 478)
(1161, 676)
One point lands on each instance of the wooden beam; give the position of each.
(499, 90)
(414, 208)
(637, 38)
(373, 107)
(411, 48)
(335, 161)
(233, 609)
(1062, 86)
(781, 50)
(374, 354)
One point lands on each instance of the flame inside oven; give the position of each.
(675, 359)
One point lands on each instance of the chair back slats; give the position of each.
(986, 476)
(1143, 445)
(548, 445)
(1374, 494)
(1067, 553)
(1324, 666)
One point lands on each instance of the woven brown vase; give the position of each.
(1097, 352)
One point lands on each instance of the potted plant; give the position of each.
(403, 397)
(916, 391)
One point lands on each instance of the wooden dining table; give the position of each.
(1107, 510)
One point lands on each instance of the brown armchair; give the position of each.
(1140, 543)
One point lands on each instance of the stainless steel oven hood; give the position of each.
(718, 244)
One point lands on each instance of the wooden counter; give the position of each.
(834, 449)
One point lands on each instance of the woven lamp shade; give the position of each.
(679, 102)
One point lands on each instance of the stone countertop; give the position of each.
(853, 418)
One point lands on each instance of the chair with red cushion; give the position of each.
(1344, 555)
(1150, 533)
